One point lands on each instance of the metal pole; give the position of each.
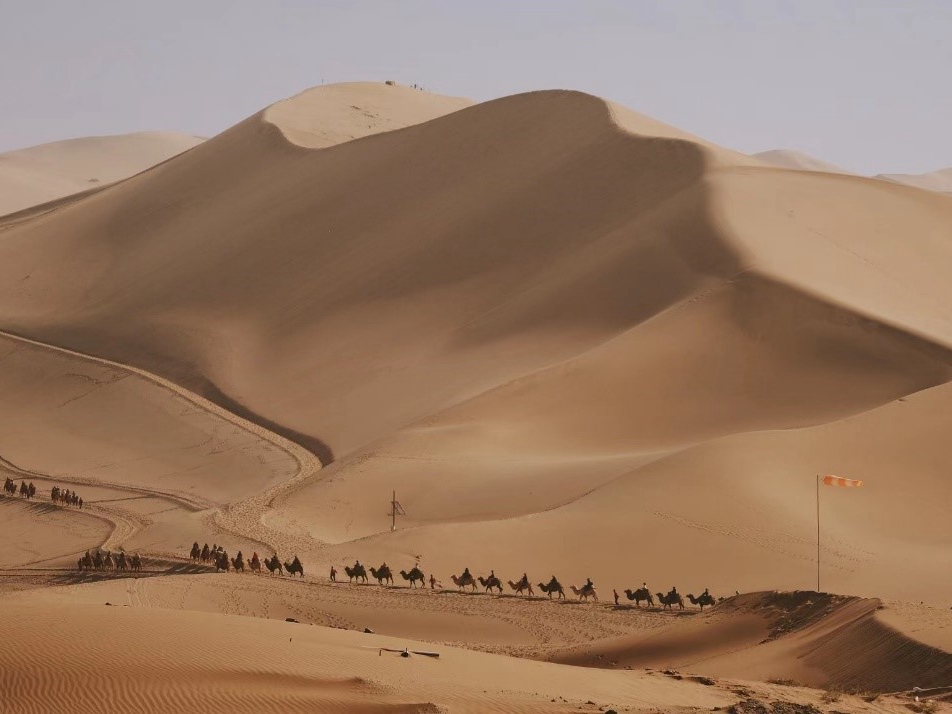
(818, 533)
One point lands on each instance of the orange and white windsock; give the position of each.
(840, 481)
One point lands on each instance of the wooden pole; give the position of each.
(393, 512)
(818, 533)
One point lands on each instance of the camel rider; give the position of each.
(254, 559)
(492, 574)
(674, 592)
(357, 565)
(525, 578)
(707, 593)
(466, 573)
(589, 585)
(296, 563)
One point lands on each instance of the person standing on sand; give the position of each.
(432, 582)
(333, 574)
(615, 593)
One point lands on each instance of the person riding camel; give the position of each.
(492, 574)
(357, 565)
(467, 575)
(254, 560)
(674, 592)
(525, 579)
(589, 585)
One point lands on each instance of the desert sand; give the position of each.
(792, 159)
(939, 181)
(574, 340)
(44, 173)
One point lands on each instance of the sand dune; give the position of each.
(520, 297)
(230, 664)
(43, 173)
(939, 181)
(791, 159)
(574, 340)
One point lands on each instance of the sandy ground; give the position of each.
(574, 340)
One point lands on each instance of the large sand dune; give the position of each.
(574, 340)
(526, 299)
(47, 172)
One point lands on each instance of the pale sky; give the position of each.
(866, 84)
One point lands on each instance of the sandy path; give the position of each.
(241, 519)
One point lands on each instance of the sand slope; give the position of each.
(43, 173)
(791, 159)
(634, 337)
(939, 181)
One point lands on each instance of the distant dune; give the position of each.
(939, 181)
(43, 173)
(790, 159)
(573, 339)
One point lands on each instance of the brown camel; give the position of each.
(273, 564)
(464, 581)
(585, 593)
(358, 572)
(295, 566)
(671, 599)
(554, 586)
(136, 563)
(702, 600)
(639, 595)
(382, 574)
(413, 576)
(490, 583)
(521, 586)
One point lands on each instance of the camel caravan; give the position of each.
(361, 574)
(218, 557)
(107, 562)
(26, 490)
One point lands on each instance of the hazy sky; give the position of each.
(861, 83)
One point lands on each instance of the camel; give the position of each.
(196, 552)
(413, 576)
(9, 486)
(273, 564)
(255, 564)
(108, 562)
(97, 560)
(585, 593)
(238, 564)
(222, 562)
(204, 554)
(81, 564)
(295, 567)
(121, 562)
(639, 595)
(136, 563)
(522, 585)
(702, 600)
(554, 586)
(382, 574)
(464, 581)
(490, 583)
(671, 599)
(358, 572)
(24, 490)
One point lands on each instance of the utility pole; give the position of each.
(395, 510)
(818, 532)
